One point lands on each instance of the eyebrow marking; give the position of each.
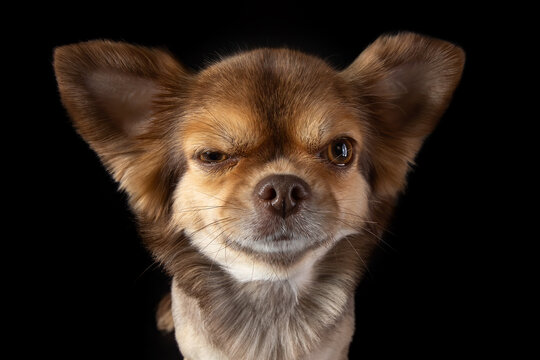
(223, 133)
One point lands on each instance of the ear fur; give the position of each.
(406, 81)
(109, 91)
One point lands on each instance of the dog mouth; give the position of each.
(258, 234)
(280, 237)
(282, 242)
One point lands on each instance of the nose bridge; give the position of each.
(274, 151)
(281, 164)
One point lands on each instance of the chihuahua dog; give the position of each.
(261, 183)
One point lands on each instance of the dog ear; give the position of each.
(406, 82)
(109, 90)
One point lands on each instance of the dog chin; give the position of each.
(287, 244)
(277, 237)
(287, 257)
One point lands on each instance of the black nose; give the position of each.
(281, 194)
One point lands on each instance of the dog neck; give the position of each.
(223, 314)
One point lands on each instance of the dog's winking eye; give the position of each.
(339, 152)
(213, 157)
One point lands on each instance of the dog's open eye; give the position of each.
(213, 157)
(339, 152)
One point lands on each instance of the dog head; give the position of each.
(265, 159)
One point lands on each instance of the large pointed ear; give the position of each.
(110, 90)
(405, 82)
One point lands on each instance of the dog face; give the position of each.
(265, 159)
(272, 144)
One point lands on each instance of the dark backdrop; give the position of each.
(89, 289)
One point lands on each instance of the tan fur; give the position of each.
(164, 318)
(247, 285)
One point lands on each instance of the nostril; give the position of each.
(267, 192)
(298, 192)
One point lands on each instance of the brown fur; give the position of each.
(164, 319)
(273, 111)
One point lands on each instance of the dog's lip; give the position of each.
(280, 237)
(275, 237)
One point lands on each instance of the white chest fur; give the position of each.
(195, 341)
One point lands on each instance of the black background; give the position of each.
(86, 288)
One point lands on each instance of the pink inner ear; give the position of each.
(124, 98)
